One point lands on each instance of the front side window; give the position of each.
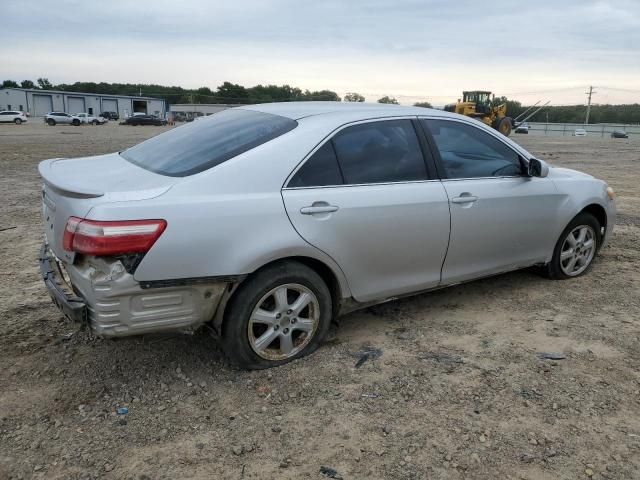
(201, 145)
(378, 152)
(469, 152)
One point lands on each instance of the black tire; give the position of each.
(95, 122)
(17, 121)
(51, 122)
(75, 122)
(235, 329)
(554, 269)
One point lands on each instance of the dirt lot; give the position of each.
(457, 393)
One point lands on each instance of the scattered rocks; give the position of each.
(237, 450)
(330, 473)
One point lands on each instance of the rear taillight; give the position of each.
(92, 237)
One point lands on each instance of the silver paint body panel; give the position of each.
(383, 240)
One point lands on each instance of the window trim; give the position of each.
(427, 156)
(438, 159)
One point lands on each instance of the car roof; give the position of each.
(298, 110)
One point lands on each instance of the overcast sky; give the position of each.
(410, 49)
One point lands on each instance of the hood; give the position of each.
(558, 172)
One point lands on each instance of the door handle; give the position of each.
(313, 209)
(464, 198)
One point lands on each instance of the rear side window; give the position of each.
(469, 152)
(378, 152)
(201, 145)
(320, 170)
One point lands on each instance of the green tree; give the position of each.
(232, 93)
(9, 84)
(423, 105)
(44, 83)
(387, 99)
(27, 84)
(321, 96)
(353, 97)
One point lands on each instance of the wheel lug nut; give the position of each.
(286, 330)
(278, 315)
(289, 312)
(276, 327)
(293, 320)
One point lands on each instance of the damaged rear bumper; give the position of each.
(72, 306)
(102, 293)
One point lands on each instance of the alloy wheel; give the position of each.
(283, 322)
(578, 250)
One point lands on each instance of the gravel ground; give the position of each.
(458, 391)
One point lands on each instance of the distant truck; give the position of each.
(90, 119)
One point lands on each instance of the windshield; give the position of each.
(201, 145)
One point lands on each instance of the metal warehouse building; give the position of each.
(40, 102)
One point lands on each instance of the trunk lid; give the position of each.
(72, 187)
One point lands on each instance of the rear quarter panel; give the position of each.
(228, 220)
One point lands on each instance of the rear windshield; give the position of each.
(208, 142)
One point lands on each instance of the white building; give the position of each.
(182, 112)
(38, 102)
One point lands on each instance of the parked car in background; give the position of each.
(110, 115)
(90, 119)
(54, 118)
(522, 128)
(12, 116)
(619, 134)
(580, 132)
(144, 119)
(267, 221)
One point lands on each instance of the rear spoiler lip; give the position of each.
(62, 186)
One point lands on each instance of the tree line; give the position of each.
(237, 94)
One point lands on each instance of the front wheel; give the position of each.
(504, 126)
(51, 122)
(95, 122)
(576, 248)
(281, 313)
(17, 121)
(75, 123)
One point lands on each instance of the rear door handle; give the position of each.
(464, 199)
(313, 209)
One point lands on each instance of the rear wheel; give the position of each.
(51, 122)
(95, 122)
(576, 248)
(75, 122)
(17, 121)
(504, 126)
(279, 314)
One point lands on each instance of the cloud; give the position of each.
(407, 48)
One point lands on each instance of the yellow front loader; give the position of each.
(478, 104)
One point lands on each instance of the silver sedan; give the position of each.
(268, 221)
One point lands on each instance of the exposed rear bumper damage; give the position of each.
(114, 304)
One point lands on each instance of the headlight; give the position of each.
(610, 193)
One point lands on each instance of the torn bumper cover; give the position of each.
(102, 293)
(61, 293)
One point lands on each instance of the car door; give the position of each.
(501, 219)
(364, 198)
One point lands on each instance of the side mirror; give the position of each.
(537, 168)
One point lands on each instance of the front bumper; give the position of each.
(102, 293)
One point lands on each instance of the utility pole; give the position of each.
(590, 92)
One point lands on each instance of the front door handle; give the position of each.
(464, 198)
(318, 207)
